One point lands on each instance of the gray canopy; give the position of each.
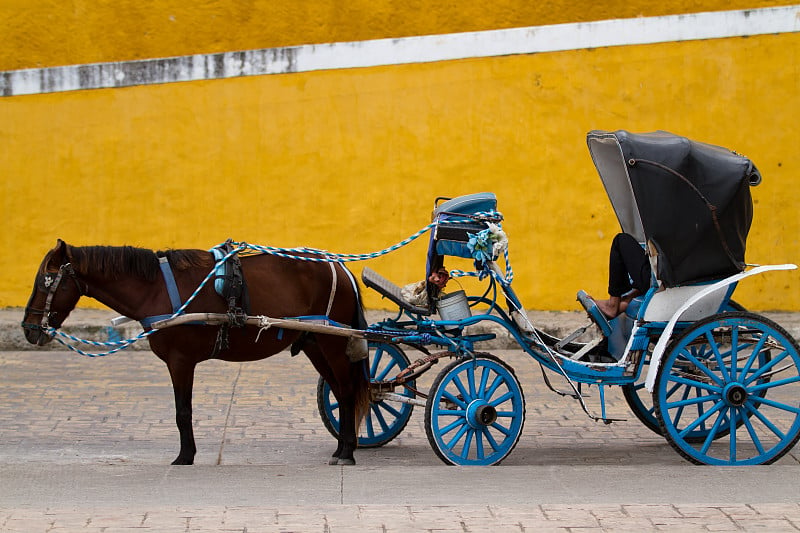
(690, 199)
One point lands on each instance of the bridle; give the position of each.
(49, 283)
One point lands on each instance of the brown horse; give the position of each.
(130, 281)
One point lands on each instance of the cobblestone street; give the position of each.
(85, 444)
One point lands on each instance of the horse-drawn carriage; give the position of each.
(721, 384)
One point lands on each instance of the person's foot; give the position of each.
(611, 308)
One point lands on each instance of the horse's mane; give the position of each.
(116, 262)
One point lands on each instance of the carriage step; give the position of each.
(389, 290)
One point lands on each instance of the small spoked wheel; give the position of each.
(475, 412)
(743, 371)
(385, 420)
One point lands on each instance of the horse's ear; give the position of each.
(57, 254)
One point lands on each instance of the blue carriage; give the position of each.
(721, 384)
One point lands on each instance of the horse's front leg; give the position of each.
(182, 374)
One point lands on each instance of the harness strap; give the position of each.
(333, 289)
(172, 287)
(172, 291)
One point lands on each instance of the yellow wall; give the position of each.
(351, 160)
(41, 33)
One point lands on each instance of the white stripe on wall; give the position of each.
(423, 49)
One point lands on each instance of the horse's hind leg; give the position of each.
(338, 377)
(182, 374)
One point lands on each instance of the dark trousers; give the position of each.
(627, 262)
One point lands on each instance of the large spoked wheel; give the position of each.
(746, 371)
(475, 412)
(385, 420)
(640, 400)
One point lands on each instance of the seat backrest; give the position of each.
(663, 304)
(451, 234)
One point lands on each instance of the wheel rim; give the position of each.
(475, 412)
(385, 420)
(744, 372)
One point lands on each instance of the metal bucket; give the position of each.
(453, 306)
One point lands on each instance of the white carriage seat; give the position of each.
(665, 303)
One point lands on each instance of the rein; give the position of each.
(317, 256)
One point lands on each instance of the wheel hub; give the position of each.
(481, 414)
(735, 395)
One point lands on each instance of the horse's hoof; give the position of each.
(346, 462)
(333, 460)
(182, 461)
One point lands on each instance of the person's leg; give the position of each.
(634, 263)
(627, 260)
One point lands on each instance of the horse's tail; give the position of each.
(358, 374)
(359, 370)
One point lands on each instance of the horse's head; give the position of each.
(56, 291)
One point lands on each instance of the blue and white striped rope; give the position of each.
(324, 256)
(319, 256)
(505, 281)
(123, 344)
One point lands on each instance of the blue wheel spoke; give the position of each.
(379, 417)
(481, 454)
(464, 394)
(692, 383)
(482, 387)
(452, 425)
(392, 364)
(498, 380)
(390, 409)
(505, 431)
(770, 384)
(701, 419)
(467, 443)
(764, 369)
(376, 362)
(702, 367)
(501, 399)
(471, 381)
(717, 355)
(449, 396)
(713, 432)
(461, 413)
(732, 434)
(753, 436)
(776, 404)
(460, 433)
(734, 356)
(490, 439)
(756, 352)
(679, 413)
(693, 401)
(764, 421)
